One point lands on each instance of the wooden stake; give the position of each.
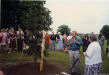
(42, 51)
(16, 45)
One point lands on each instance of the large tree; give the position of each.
(31, 15)
(63, 29)
(36, 18)
(105, 31)
(25, 14)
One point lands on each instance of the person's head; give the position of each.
(83, 34)
(52, 32)
(92, 38)
(65, 33)
(46, 33)
(59, 33)
(3, 30)
(74, 34)
(19, 29)
(12, 30)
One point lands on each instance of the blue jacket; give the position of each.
(74, 46)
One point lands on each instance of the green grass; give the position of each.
(54, 56)
(60, 57)
(106, 60)
(13, 57)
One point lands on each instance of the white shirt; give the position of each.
(69, 37)
(22, 34)
(94, 54)
(61, 37)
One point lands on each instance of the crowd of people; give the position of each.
(91, 45)
(92, 48)
(10, 40)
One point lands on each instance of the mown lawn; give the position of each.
(54, 56)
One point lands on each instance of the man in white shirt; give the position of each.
(20, 38)
(93, 58)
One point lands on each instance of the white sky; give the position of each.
(84, 16)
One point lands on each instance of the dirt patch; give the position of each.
(27, 69)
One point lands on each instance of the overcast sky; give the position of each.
(84, 16)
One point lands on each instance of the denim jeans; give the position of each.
(52, 44)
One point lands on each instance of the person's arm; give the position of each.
(11, 38)
(18, 33)
(78, 41)
(50, 37)
(58, 38)
(89, 51)
(85, 54)
(23, 33)
(70, 42)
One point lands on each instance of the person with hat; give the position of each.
(60, 41)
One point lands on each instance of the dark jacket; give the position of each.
(53, 37)
(58, 37)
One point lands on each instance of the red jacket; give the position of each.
(47, 38)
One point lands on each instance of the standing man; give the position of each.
(74, 47)
(20, 38)
(53, 41)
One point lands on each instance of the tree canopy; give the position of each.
(26, 14)
(105, 31)
(31, 15)
(63, 29)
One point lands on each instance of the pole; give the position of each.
(42, 51)
(16, 45)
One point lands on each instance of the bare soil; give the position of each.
(26, 68)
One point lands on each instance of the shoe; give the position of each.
(73, 71)
(79, 72)
(9, 52)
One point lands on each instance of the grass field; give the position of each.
(54, 56)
